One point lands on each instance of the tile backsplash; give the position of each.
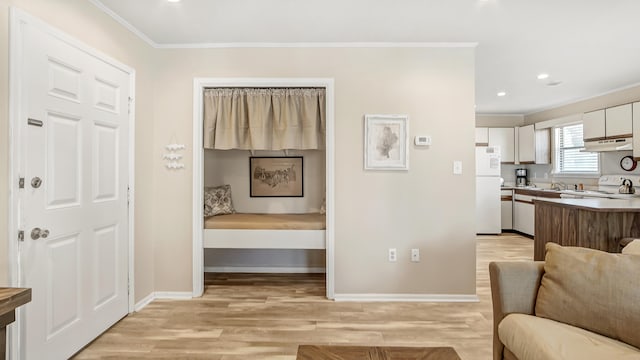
(542, 175)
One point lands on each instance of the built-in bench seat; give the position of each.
(265, 231)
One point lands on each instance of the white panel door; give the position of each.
(78, 147)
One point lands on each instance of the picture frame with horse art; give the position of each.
(276, 176)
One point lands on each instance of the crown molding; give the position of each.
(124, 23)
(319, 45)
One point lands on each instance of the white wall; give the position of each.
(375, 210)
(232, 167)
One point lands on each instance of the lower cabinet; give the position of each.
(524, 214)
(506, 209)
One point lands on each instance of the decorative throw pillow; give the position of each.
(217, 200)
(593, 290)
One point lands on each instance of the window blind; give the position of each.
(569, 158)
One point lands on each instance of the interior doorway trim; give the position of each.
(17, 20)
(199, 84)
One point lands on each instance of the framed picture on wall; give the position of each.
(386, 142)
(276, 176)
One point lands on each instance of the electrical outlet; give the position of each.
(393, 255)
(415, 255)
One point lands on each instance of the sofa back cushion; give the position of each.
(593, 290)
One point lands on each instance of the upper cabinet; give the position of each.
(505, 139)
(609, 123)
(593, 125)
(534, 146)
(618, 121)
(636, 130)
(543, 146)
(526, 145)
(482, 136)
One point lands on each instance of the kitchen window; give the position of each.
(569, 159)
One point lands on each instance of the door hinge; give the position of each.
(128, 195)
(21, 183)
(129, 105)
(20, 235)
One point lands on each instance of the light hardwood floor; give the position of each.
(253, 316)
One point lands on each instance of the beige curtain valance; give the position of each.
(264, 118)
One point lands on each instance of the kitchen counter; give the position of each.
(597, 204)
(595, 223)
(10, 299)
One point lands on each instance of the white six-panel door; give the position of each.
(76, 143)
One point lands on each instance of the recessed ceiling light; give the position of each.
(542, 76)
(501, 93)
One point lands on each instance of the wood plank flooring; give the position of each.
(258, 316)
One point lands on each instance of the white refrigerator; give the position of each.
(488, 190)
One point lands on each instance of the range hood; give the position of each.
(609, 145)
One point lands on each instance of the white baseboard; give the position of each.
(259, 269)
(406, 297)
(174, 295)
(166, 295)
(144, 302)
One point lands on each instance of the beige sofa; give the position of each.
(577, 304)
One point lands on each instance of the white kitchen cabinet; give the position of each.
(506, 209)
(534, 146)
(524, 214)
(482, 136)
(636, 130)
(593, 125)
(526, 145)
(618, 121)
(543, 146)
(505, 139)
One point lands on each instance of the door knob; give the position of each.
(38, 233)
(36, 182)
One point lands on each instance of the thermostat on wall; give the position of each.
(423, 140)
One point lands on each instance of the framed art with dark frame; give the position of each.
(386, 142)
(276, 176)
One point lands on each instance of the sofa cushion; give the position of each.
(533, 338)
(592, 289)
(632, 248)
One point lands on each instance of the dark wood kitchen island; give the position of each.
(10, 299)
(592, 223)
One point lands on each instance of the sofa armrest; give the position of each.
(632, 248)
(514, 287)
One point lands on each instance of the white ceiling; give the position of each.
(592, 46)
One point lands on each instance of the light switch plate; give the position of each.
(457, 167)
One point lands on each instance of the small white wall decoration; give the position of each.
(173, 158)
